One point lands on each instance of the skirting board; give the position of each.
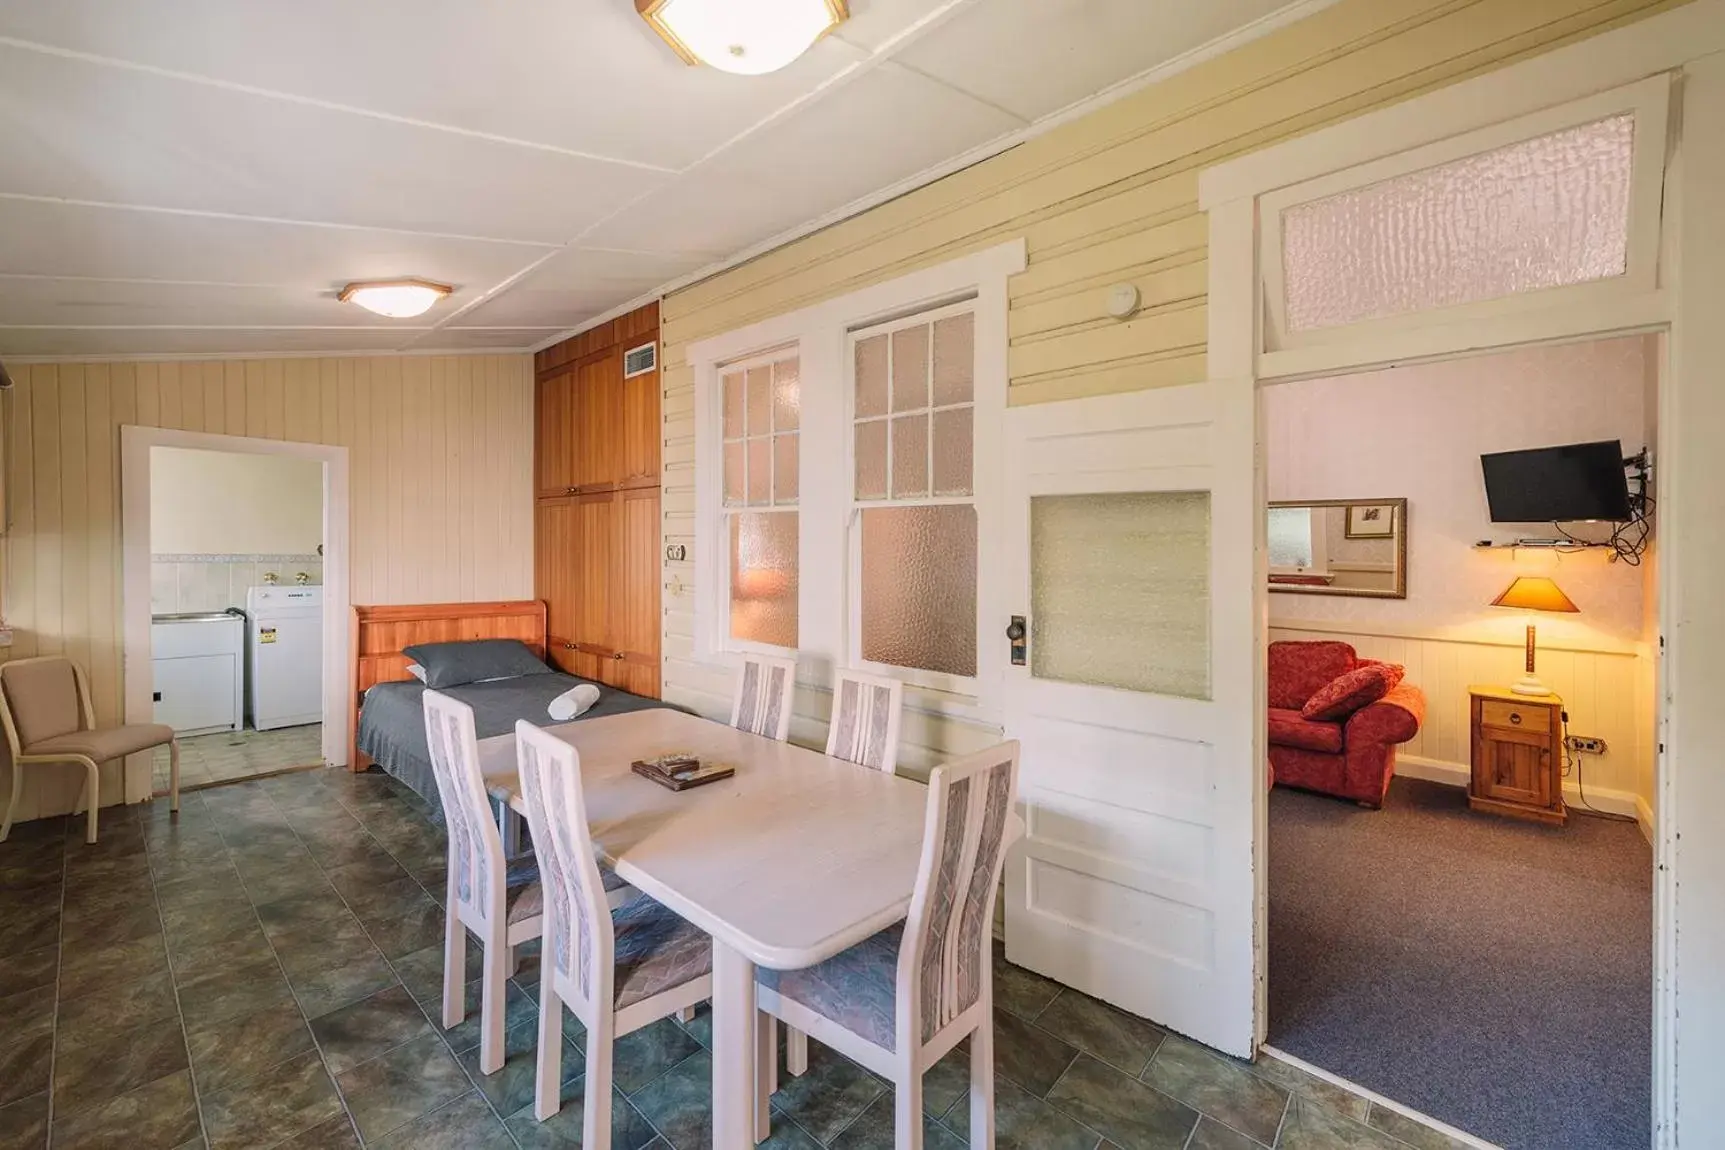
(1612, 802)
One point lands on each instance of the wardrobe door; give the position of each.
(554, 435)
(641, 430)
(593, 580)
(598, 421)
(554, 557)
(635, 603)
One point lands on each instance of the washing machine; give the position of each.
(284, 656)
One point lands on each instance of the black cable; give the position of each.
(1566, 760)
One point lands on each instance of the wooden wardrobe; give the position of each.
(596, 512)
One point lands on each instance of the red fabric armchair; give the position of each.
(1353, 757)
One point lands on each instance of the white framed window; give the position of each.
(761, 418)
(1518, 228)
(898, 575)
(912, 587)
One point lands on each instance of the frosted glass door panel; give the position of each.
(1544, 213)
(1120, 591)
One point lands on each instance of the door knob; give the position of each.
(616, 654)
(1015, 629)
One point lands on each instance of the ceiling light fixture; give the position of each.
(749, 37)
(397, 299)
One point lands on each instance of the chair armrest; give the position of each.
(1395, 718)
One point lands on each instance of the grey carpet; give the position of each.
(1491, 973)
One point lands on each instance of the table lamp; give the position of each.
(1533, 593)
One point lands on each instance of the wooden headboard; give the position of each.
(381, 633)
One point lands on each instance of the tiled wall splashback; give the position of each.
(217, 582)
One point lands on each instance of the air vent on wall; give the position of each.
(640, 360)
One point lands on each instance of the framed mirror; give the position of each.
(1340, 547)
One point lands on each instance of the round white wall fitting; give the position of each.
(1122, 300)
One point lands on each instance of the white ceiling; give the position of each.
(192, 177)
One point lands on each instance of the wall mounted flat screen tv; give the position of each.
(1558, 484)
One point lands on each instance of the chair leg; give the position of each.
(907, 1110)
(796, 1052)
(492, 1000)
(766, 1072)
(12, 800)
(93, 782)
(454, 959)
(982, 1083)
(174, 775)
(547, 1087)
(596, 1103)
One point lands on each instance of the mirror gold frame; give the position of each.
(1399, 535)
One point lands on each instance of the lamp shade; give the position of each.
(1535, 593)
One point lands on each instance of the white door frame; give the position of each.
(135, 445)
(1689, 1010)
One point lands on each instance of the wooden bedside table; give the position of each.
(1517, 755)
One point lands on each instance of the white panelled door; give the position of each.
(1130, 558)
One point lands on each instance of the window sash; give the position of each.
(728, 512)
(964, 685)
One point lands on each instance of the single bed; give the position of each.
(387, 724)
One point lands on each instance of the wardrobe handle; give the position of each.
(616, 654)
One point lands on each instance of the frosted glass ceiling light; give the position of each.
(749, 37)
(397, 299)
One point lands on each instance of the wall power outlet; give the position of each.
(1585, 744)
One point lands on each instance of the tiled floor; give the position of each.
(264, 971)
(229, 755)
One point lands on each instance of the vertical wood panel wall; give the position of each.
(1108, 198)
(440, 457)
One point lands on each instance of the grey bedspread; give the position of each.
(392, 722)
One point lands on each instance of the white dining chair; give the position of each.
(765, 688)
(864, 730)
(615, 971)
(898, 1001)
(478, 896)
(865, 722)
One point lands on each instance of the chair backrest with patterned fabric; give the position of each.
(476, 861)
(948, 935)
(578, 934)
(765, 687)
(864, 727)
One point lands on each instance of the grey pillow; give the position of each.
(474, 661)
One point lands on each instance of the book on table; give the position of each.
(679, 772)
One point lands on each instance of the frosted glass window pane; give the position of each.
(919, 588)
(871, 376)
(871, 460)
(733, 389)
(787, 395)
(784, 469)
(760, 400)
(1120, 590)
(953, 447)
(764, 577)
(910, 455)
(1290, 532)
(954, 359)
(760, 471)
(910, 369)
(1539, 214)
(735, 487)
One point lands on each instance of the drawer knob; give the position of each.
(1515, 718)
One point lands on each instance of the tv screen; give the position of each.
(1557, 484)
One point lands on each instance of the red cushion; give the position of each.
(1347, 693)
(1298, 670)
(1291, 729)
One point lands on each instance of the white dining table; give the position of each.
(794, 858)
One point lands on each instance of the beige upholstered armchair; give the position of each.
(45, 706)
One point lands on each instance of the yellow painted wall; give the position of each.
(440, 482)
(1108, 198)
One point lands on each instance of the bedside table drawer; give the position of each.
(1514, 716)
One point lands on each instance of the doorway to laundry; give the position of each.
(229, 602)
